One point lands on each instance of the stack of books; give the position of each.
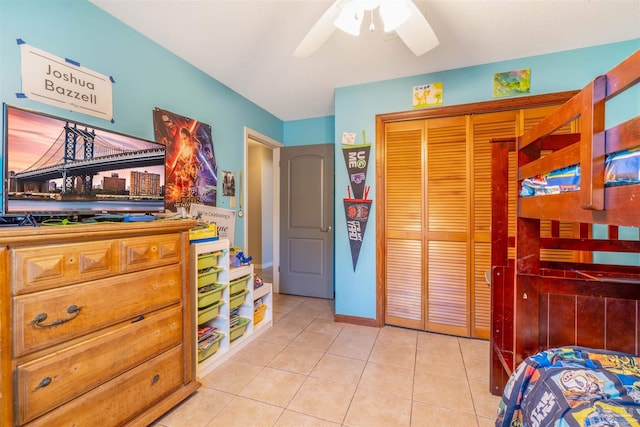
(207, 336)
(234, 317)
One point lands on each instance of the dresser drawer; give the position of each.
(139, 253)
(46, 383)
(50, 317)
(52, 266)
(120, 399)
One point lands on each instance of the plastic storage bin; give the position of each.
(238, 299)
(258, 315)
(238, 284)
(208, 260)
(210, 297)
(208, 313)
(208, 276)
(237, 331)
(209, 346)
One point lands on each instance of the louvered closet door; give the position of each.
(437, 212)
(403, 268)
(447, 184)
(484, 127)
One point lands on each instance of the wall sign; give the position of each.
(64, 83)
(225, 219)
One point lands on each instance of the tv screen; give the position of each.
(58, 166)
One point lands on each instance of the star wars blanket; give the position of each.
(573, 386)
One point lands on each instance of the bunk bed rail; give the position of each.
(587, 147)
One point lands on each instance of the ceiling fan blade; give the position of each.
(416, 33)
(320, 32)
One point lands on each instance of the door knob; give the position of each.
(326, 229)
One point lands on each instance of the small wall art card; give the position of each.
(429, 95)
(348, 138)
(512, 83)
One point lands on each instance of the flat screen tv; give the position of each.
(54, 166)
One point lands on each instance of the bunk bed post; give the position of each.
(501, 273)
(526, 294)
(527, 268)
(592, 144)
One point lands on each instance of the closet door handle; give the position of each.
(326, 230)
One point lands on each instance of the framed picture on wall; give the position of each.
(228, 184)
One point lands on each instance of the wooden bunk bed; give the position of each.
(540, 304)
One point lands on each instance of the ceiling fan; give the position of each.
(401, 16)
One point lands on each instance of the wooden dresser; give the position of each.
(96, 323)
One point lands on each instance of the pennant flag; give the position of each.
(357, 214)
(357, 158)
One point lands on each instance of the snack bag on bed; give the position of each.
(558, 181)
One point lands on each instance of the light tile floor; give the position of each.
(308, 370)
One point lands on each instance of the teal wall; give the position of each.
(146, 76)
(357, 106)
(319, 130)
(149, 76)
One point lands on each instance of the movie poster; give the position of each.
(191, 171)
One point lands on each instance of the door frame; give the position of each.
(275, 148)
(455, 110)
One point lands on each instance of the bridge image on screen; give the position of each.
(56, 165)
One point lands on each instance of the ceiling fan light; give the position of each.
(366, 4)
(350, 19)
(394, 13)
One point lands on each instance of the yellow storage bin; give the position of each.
(258, 315)
(209, 313)
(237, 331)
(238, 284)
(208, 260)
(238, 299)
(209, 346)
(208, 276)
(205, 299)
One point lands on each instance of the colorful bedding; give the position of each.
(620, 168)
(573, 386)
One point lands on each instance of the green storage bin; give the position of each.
(209, 313)
(208, 260)
(238, 284)
(208, 276)
(205, 299)
(237, 299)
(238, 330)
(209, 347)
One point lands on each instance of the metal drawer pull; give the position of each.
(155, 379)
(45, 382)
(74, 310)
(138, 319)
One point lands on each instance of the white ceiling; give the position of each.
(248, 44)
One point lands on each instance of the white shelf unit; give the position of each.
(227, 275)
(266, 293)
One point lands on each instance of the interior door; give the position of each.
(306, 220)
